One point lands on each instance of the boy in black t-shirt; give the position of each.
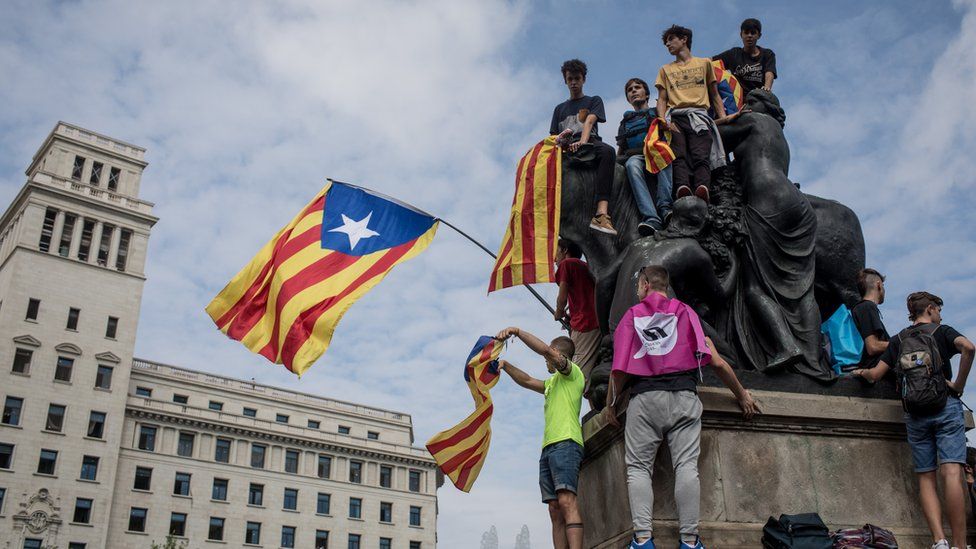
(938, 441)
(581, 115)
(867, 317)
(753, 67)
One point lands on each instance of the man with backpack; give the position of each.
(867, 316)
(920, 356)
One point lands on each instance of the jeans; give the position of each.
(691, 151)
(637, 175)
(939, 438)
(559, 468)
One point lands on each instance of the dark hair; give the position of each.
(639, 81)
(970, 456)
(574, 65)
(751, 24)
(564, 345)
(656, 276)
(572, 248)
(865, 278)
(676, 30)
(919, 301)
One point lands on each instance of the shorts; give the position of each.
(939, 438)
(559, 468)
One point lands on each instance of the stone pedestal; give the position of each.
(843, 457)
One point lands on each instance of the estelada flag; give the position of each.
(460, 451)
(657, 149)
(528, 250)
(286, 303)
(729, 88)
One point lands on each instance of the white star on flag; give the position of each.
(355, 230)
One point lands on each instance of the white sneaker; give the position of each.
(941, 544)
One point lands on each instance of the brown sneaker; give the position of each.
(683, 191)
(702, 192)
(601, 222)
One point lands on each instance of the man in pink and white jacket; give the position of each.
(658, 348)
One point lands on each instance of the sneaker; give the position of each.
(684, 191)
(702, 192)
(648, 544)
(601, 222)
(667, 218)
(647, 228)
(941, 544)
(697, 545)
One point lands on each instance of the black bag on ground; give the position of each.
(805, 531)
(919, 369)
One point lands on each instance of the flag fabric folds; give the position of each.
(286, 303)
(528, 250)
(729, 88)
(657, 150)
(460, 451)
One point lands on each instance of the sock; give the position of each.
(689, 539)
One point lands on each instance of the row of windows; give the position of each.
(74, 315)
(97, 171)
(86, 245)
(63, 368)
(36, 543)
(48, 460)
(13, 410)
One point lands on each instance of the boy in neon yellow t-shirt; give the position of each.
(562, 442)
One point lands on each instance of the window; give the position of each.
(32, 543)
(355, 507)
(356, 472)
(62, 372)
(147, 438)
(222, 450)
(325, 466)
(67, 231)
(83, 509)
(22, 359)
(73, 315)
(321, 539)
(177, 524)
(89, 468)
(291, 461)
(216, 531)
(33, 308)
(257, 455)
(353, 541)
(386, 511)
(76, 545)
(291, 499)
(386, 476)
(137, 519)
(372, 435)
(144, 392)
(281, 418)
(47, 462)
(219, 491)
(313, 424)
(124, 238)
(323, 504)
(414, 545)
(414, 481)
(55, 418)
(414, 516)
(96, 428)
(96, 174)
(105, 245)
(114, 175)
(103, 378)
(287, 536)
(111, 327)
(250, 412)
(143, 478)
(87, 231)
(77, 167)
(252, 533)
(3, 496)
(181, 484)
(181, 399)
(386, 543)
(11, 410)
(184, 447)
(6, 455)
(47, 230)
(255, 494)
(343, 430)
(214, 405)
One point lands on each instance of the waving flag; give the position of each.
(728, 88)
(657, 151)
(460, 451)
(529, 247)
(286, 303)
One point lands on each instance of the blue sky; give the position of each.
(245, 111)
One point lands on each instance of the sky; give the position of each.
(245, 110)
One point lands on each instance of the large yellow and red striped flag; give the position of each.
(528, 250)
(729, 88)
(285, 304)
(460, 451)
(657, 150)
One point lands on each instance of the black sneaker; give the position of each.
(646, 229)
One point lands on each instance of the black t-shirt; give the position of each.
(749, 71)
(944, 337)
(677, 381)
(867, 318)
(566, 115)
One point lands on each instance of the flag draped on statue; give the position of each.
(528, 250)
(657, 150)
(460, 451)
(285, 304)
(729, 88)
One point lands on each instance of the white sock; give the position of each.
(689, 539)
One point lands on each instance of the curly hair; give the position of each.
(676, 30)
(574, 65)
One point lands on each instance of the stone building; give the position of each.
(98, 449)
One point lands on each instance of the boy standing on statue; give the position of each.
(659, 347)
(867, 317)
(580, 115)
(753, 67)
(576, 302)
(562, 444)
(937, 434)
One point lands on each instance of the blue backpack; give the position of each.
(846, 343)
(634, 128)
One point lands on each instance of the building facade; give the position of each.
(98, 449)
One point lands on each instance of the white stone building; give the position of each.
(98, 449)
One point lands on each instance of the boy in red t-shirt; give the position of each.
(577, 291)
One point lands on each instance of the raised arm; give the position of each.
(522, 378)
(552, 355)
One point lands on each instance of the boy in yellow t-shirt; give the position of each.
(562, 443)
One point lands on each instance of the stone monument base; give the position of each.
(843, 457)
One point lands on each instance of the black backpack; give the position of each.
(806, 531)
(919, 369)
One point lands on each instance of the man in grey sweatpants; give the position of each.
(666, 408)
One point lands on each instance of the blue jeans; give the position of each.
(651, 210)
(939, 438)
(559, 468)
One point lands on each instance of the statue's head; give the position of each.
(760, 100)
(689, 215)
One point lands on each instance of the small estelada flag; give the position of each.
(657, 147)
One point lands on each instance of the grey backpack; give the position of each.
(919, 369)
